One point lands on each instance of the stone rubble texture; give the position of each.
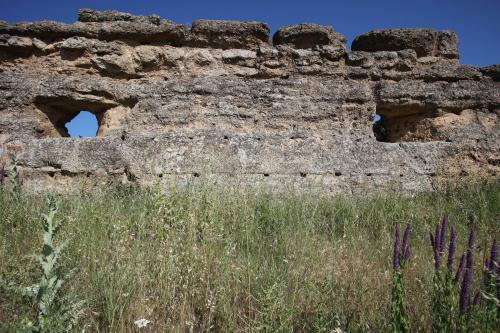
(219, 100)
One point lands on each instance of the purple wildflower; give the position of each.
(470, 243)
(452, 248)
(406, 237)
(408, 252)
(437, 254)
(467, 280)
(397, 249)
(476, 298)
(442, 235)
(460, 269)
(2, 175)
(437, 237)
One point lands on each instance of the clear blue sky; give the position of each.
(477, 22)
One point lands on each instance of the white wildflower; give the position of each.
(141, 323)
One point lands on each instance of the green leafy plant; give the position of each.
(56, 313)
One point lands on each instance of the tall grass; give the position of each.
(225, 260)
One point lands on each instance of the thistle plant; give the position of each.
(56, 313)
(402, 252)
(15, 179)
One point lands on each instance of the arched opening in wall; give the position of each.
(83, 125)
(407, 123)
(68, 117)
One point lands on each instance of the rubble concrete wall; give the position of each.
(224, 100)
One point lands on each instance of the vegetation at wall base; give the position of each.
(206, 259)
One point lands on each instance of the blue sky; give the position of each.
(476, 22)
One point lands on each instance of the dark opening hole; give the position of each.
(407, 123)
(379, 129)
(338, 173)
(266, 175)
(369, 174)
(84, 124)
(196, 174)
(160, 175)
(303, 174)
(226, 137)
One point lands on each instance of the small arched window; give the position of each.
(83, 125)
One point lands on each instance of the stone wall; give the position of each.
(220, 100)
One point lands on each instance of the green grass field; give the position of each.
(204, 259)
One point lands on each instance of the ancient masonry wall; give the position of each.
(219, 100)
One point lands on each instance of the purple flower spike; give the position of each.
(467, 281)
(476, 298)
(432, 239)
(437, 253)
(442, 235)
(437, 238)
(460, 269)
(470, 243)
(2, 175)
(452, 248)
(408, 252)
(397, 249)
(493, 257)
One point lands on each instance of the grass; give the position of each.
(204, 259)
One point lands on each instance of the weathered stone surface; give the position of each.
(426, 42)
(492, 71)
(308, 35)
(221, 102)
(229, 34)
(167, 33)
(447, 72)
(90, 15)
(81, 44)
